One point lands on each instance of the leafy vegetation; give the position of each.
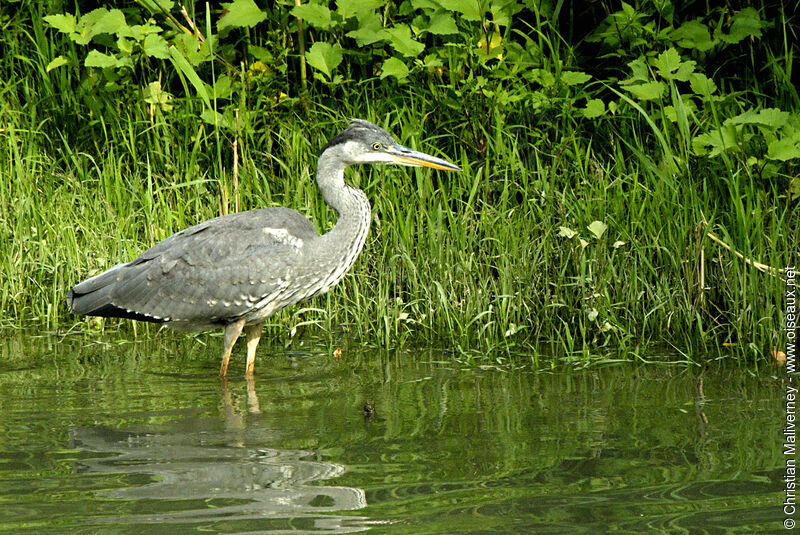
(629, 176)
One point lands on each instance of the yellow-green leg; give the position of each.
(253, 333)
(232, 332)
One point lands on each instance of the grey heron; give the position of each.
(236, 270)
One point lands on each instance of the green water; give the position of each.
(107, 437)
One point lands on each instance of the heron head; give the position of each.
(364, 142)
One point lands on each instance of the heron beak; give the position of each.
(405, 156)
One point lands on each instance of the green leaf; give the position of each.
(639, 72)
(503, 10)
(716, 142)
(316, 15)
(394, 67)
(400, 39)
(594, 108)
(359, 9)
(191, 49)
(771, 117)
(63, 23)
(240, 14)
(125, 46)
(155, 96)
(324, 57)
(56, 63)
(574, 78)
(370, 31)
(745, 23)
(155, 46)
(670, 67)
(222, 87)
(540, 76)
(469, 9)
(442, 24)
(566, 232)
(104, 21)
(140, 31)
(217, 119)
(784, 149)
(97, 59)
(598, 228)
(693, 34)
(701, 84)
(647, 90)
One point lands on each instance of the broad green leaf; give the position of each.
(156, 46)
(191, 49)
(357, 8)
(442, 24)
(102, 20)
(261, 53)
(324, 57)
(667, 62)
(670, 66)
(153, 94)
(647, 90)
(574, 77)
(598, 228)
(787, 148)
(772, 117)
(594, 108)
(217, 119)
(684, 71)
(370, 31)
(503, 10)
(693, 34)
(425, 5)
(701, 84)
(566, 232)
(222, 87)
(97, 59)
(63, 23)
(540, 76)
(469, 9)
(140, 31)
(716, 142)
(125, 46)
(240, 14)
(639, 72)
(745, 23)
(394, 67)
(316, 15)
(400, 39)
(56, 63)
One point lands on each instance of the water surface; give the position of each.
(107, 437)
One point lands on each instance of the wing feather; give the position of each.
(211, 273)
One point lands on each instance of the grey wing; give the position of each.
(212, 273)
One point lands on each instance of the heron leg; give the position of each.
(253, 333)
(232, 332)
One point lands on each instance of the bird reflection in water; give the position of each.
(218, 471)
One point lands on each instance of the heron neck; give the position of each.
(350, 203)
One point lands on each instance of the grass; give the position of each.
(477, 261)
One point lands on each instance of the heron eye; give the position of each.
(377, 146)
